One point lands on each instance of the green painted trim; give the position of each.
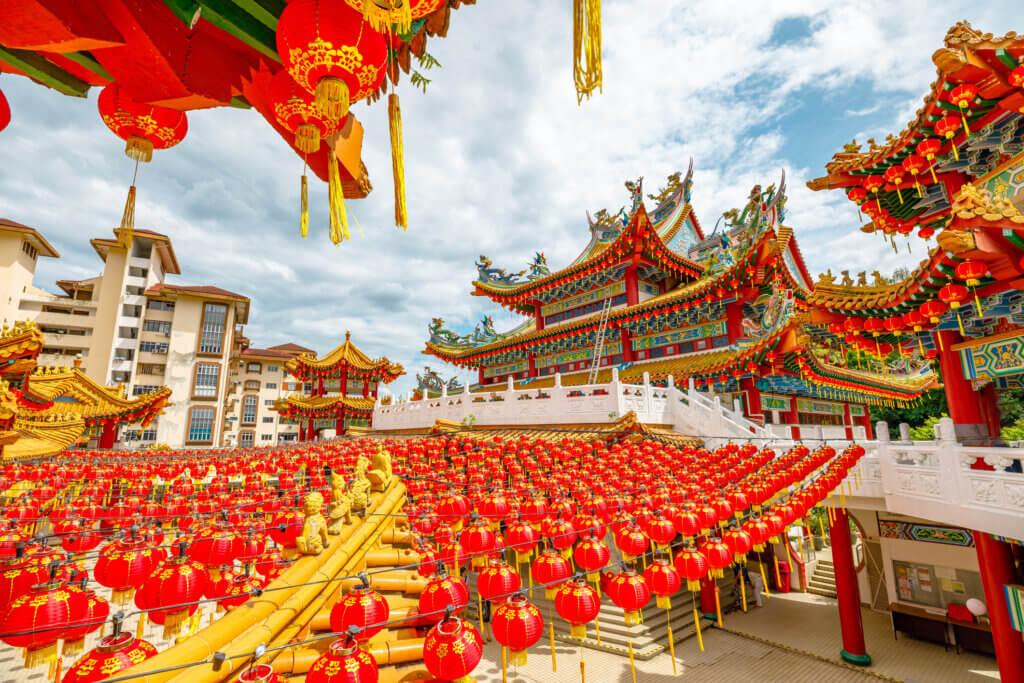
(86, 60)
(240, 102)
(264, 11)
(227, 16)
(857, 660)
(1013, 238)
(1006, 58)
(185, 10)
(46, 72)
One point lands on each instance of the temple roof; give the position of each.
(308, 406)
(70, 390)
(347, 356)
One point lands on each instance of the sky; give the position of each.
(499, 158)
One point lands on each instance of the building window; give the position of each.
(273, 368)
(140, 389)
(200, 424)
(271, 385)
(249, 410)
(266, 437)
(153, 347)
(245, 438)
(212, 336)
(207, 375)
(157, 305)
(253, 367)
(161, 326)
(251, 384)
(268, 402)
(268, 420)
(30, 250)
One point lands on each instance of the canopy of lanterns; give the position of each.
(92, 534)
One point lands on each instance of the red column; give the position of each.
(965, 404)
(752, 395)
(848, 594)
(310, 432)
(995, 562)
(366, 389)
(734, 320)
(793, 418)
(339, 427)
(538, 315)
(847, 420)
(109, 435)
(632, 289)
(532, 369)
(302, 431)
(343, 382)
(866, 421)
(480, 375)
(627, 346)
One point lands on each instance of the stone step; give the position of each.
(822, 592)
(825, 563)
(817, 583)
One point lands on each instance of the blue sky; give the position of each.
(500, 160)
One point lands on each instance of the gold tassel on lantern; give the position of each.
(397, 160)
(332, 97)
(339, 219)
(124, 233)
(382, 14)
(304, 207)
(586, 38)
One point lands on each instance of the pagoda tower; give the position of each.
(340, 389)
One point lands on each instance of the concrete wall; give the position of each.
(18, 268)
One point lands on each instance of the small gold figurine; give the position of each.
(360, 489)
(341, 507)
(380, 474)
(314, 531)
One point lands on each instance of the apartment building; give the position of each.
(257, 379)
(128, 326)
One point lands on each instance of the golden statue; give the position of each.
(360, 489)
(340, 512)
(380, 474)
(314, 530)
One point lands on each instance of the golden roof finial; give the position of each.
(348, 335)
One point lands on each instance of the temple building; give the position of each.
(652, 296)
(340, 389)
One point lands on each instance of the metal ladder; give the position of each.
(595, 367)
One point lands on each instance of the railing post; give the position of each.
(904, 432)
(510, 384)
(444, 390)
(670, 382)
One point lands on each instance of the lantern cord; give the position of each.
(586, 36)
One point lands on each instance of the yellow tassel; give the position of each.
(381, 19)
(671, 640)
(554, 660)
(956, 154)
(124, 233)
(960, 322)
(336, 197)
(138, 149)
(140, 630)
(332, 97)
(696, 624)
(963, 117)
(397, 160)
(977, 302)
(304, 207)
(586, 40)
(518, 657)
(932, 169)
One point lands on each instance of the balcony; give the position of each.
(55, 319)
(66, 341)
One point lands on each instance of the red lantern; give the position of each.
(719, 556)
(873, 183)
(364, 608)
(894, 175)
(517, 625)
(953, 294)
(331, 52)
(38, 619)
(933, 310)
(630, 592)
(123, 565)
(143, 127)
(441, 593)
(928, 148)
(947, 127)
(631, 541)
(112, 655)
(963, 96)
(663, 580)
(497, 581)
(739, 542)
(550, 569)
(452, 649)
(692, 566)
(294, 109)
(577, 603)
(5, 111)
(344, 662)
(96, 612)
(174, 585)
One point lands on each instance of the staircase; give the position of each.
(595, 367)
(823, 581)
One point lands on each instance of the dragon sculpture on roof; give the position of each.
(432, 382)
(764, 209)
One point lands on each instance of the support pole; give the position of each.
(854, 650)
(995, 562)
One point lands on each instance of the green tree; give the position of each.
(924, 414)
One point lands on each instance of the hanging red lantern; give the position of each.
(332, 52)
(364, 608)
(452, 650)
(550, 569)
(630, 592)
(441, 593)
(175, 585)
(719, 556)
(894, 175)
(963, 96)
(143, 127)
(577, 603)
(123, 565)
(112, 655)
(497, 581)
(972, 272)
(37, 620)
(663, 580)
(344, 662)
(5, 111)
(739, 542)
(631, 541)
(914, 164)
(873, 183)
(929, 148)
(517, 625)
(97, 609)
(953, 294)
(947, 127)
(933, 310)
(394, 15)
(692, 566)
(925, 232)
